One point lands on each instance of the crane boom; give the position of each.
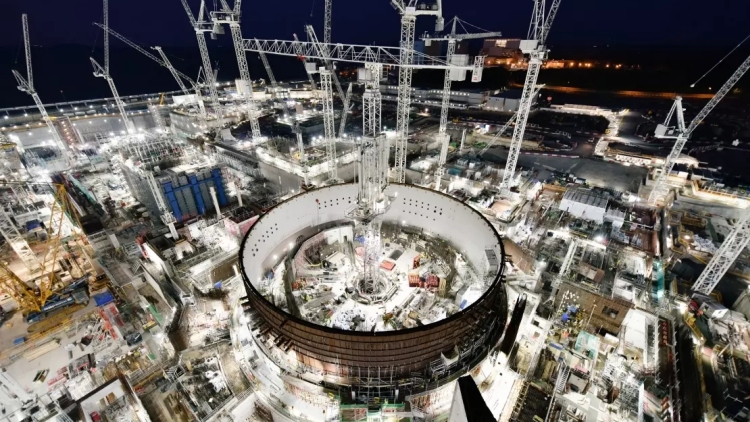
(27, 86)
(724, 258)
(720, 94)
(162, 62)
(27, 50)
(103, 72)
(271, 78)
(327, 22)
(352, 53)
(661, 189)
(178, 76)
(505, 127)
(300, 55)
(345, 110)
(538, 31)
(324, 52)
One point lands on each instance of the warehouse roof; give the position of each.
(587, 197)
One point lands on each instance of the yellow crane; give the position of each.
(27, 297)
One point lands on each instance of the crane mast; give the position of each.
(661, 189)
(505, 127)
(301, 56)
(345, 110)
(328, 122)
(269, 72)
(27, 86)
(327, 23)
(442, 137)
(409, 14)
(103, 72)
(535, 48)
(231, 17)
(201, 26)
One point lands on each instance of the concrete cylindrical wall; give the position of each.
(394, 353)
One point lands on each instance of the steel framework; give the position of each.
(724, 258)
(403, 104)
(201, 26)
(443, 138)
(351, 53)
(103, 72)
(27, 86)
(328, 122)
(535, 48)
(682, 134)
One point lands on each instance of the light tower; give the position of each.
(535, 47)
(409, 11)
(681, 134)
(27, 86)
(103, 72)
(458, 75)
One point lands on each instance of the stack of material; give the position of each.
(41, 350)
(703, 245)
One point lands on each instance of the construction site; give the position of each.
(263, 250)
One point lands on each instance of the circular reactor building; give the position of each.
(373, 307)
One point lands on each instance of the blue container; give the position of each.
(102, 299)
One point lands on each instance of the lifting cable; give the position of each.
(719, 62)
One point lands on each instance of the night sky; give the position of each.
(164, 22)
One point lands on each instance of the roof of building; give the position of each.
(512, 94)
(587, 197)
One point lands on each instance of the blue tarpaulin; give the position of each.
(102, 299)
(32, 224)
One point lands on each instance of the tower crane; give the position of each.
(324, 50)
(328, 122)
(681, 133)
(231, 17)
(535, 47)
(506, 126)
(201, 26)
(103, 72)
(409, 12)
(453, 39)
(269, 72)
(327, 22)
(345, 110)
(298, 50)
(178, 76)
(724, 258)
(28, 300)
(27, 86)
(196, 86)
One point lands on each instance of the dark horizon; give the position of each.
(635, 23)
